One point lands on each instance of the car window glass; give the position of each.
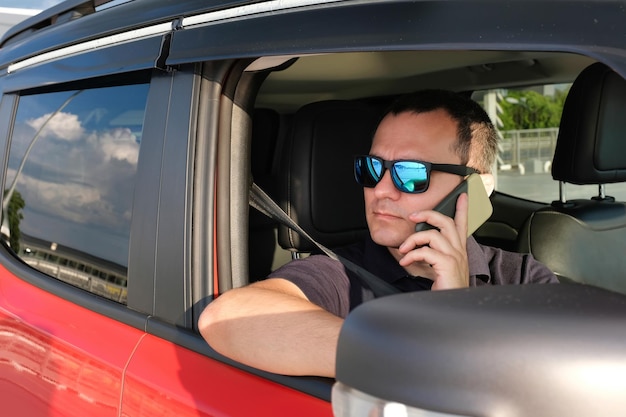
(528, 122)
(70, 182)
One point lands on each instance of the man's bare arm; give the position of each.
(271, 325)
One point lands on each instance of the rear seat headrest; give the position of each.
(265, 128)
(591, 146)
(319, 190)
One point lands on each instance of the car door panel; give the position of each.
(166, 379)
(58, 358)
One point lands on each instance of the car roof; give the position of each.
(463, 46)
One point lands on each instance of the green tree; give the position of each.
(14, 213)
(530, 110)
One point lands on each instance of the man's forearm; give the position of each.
(270, 327)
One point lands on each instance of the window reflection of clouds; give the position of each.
(83, 165)
(64, 126)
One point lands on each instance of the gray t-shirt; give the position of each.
(328, 284)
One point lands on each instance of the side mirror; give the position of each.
(493, 351)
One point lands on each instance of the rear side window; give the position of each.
(528, 120)
(70, 182)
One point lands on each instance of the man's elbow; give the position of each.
(225, 324)
(211, 319)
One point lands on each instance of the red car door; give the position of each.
(164, 379)
(57, 358)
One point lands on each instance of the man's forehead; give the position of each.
(410, 135)
(418, 124)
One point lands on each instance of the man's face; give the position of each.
(428, 137)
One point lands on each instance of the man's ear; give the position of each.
(488, 182)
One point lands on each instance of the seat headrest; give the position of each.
(319, 191)
(265, 128)
(591, 146)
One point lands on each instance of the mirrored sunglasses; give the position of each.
(408, 176)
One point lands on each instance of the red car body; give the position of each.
(62, 360)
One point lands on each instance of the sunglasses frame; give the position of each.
(461, 170)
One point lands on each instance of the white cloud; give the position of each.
(95, 202)
(64, 197)
(83, 176)
(64, 126)
(119, 144)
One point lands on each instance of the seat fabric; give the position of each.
(262, 229)
(318, 188)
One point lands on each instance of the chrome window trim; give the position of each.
(104, 42)
(219, 16)
(250, 9)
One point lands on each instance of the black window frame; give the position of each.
(141, 304)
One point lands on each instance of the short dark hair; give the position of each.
(477, 137)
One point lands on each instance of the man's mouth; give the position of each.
(385, 214)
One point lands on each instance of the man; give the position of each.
(290, 322)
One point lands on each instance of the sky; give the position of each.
(29, 4)
(76, 166)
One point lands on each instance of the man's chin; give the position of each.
(383, 238)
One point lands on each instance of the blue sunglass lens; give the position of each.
(410, 177)
(368, 171)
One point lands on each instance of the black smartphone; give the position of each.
(480, 207)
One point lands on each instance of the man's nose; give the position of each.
(385, 187)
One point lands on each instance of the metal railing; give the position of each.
(518, 147)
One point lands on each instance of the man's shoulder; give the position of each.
(492, 252)
(312, 262)
(507, 267)
(323, 281)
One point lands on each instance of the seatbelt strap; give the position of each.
(264, 203)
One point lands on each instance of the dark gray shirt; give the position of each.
(328, 284)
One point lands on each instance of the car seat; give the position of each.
(318, 189)
(262, 234)
(585, 240)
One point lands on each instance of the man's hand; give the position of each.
(439, 254)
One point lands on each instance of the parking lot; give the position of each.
(541, 187)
